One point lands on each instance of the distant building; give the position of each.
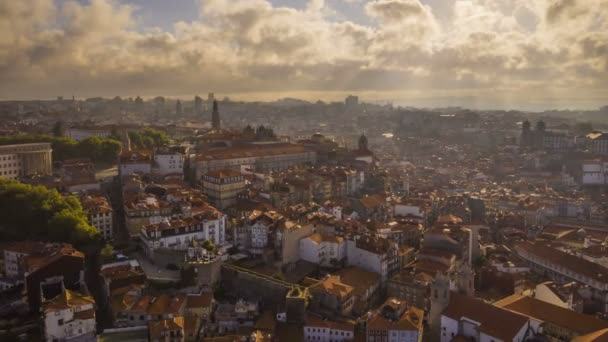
(179, 234)
(474, 319)
(25, 159)
(326, 251)
(78, 175)
(366, 288)
(131, 162)
(178, 108)
(69, 317)
(598, 142)
(198, 106)
(215, 117)
(317, 329)
(562, 295)
(259, 226)
(351, 101)
(200, 305)
(395, 321)
(541, 138)
(121, 277)
(561, 266)
(139, 105)
(372, 207)
(80, 133)
(363, 154)
(139, 310)
(169, 161)
(261, 157)
(595, 172)
(412, 287)
(331, 295)
(558, 324)
(461, 241)
(50, 270)
(159, 106)
(171, 329)
(222, 187)
(287, 236)
(374, 254)
(14, 255)
(100, 214)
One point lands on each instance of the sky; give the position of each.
(521, 54)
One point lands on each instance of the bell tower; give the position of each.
(363, 143)
(215, 116)
(466, 280)
(440, 298)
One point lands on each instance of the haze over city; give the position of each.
(487, 54)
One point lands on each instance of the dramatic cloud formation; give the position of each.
(507, 52)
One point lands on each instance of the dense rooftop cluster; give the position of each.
(444, 225)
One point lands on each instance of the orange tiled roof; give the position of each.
(332, 285)
(494, 321)
(546, 312)
(67, 299)
(249, 151)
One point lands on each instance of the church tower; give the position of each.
(525, 133)
(440, 298)
(363, 143)
(215, 117)
(539, 133)
(466, 280)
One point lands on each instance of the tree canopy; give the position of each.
(107, 252)
(98, 149)
(209, 246)
(37, 213)
(148, 138)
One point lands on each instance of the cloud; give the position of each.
(483, 48)
(397, 11)
(559, 10)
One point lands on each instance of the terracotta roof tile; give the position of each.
(494, 321)
(546, 312)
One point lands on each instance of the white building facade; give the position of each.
(25, 159)
(102, 220)
(326, 331)
(321, 250)
(168, 163)
(595, 172)
(179, 235)
(259, 237)
(70, 317)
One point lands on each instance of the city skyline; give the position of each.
(474, 53)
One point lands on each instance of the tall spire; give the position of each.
(215, 116)
(363, 143)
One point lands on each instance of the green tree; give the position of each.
(107, 252)
(92, 145)
(109, 149)
(148, 138)
(209, 245)
(34, 212)
(98, 149)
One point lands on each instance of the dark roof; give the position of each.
(493, 320)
